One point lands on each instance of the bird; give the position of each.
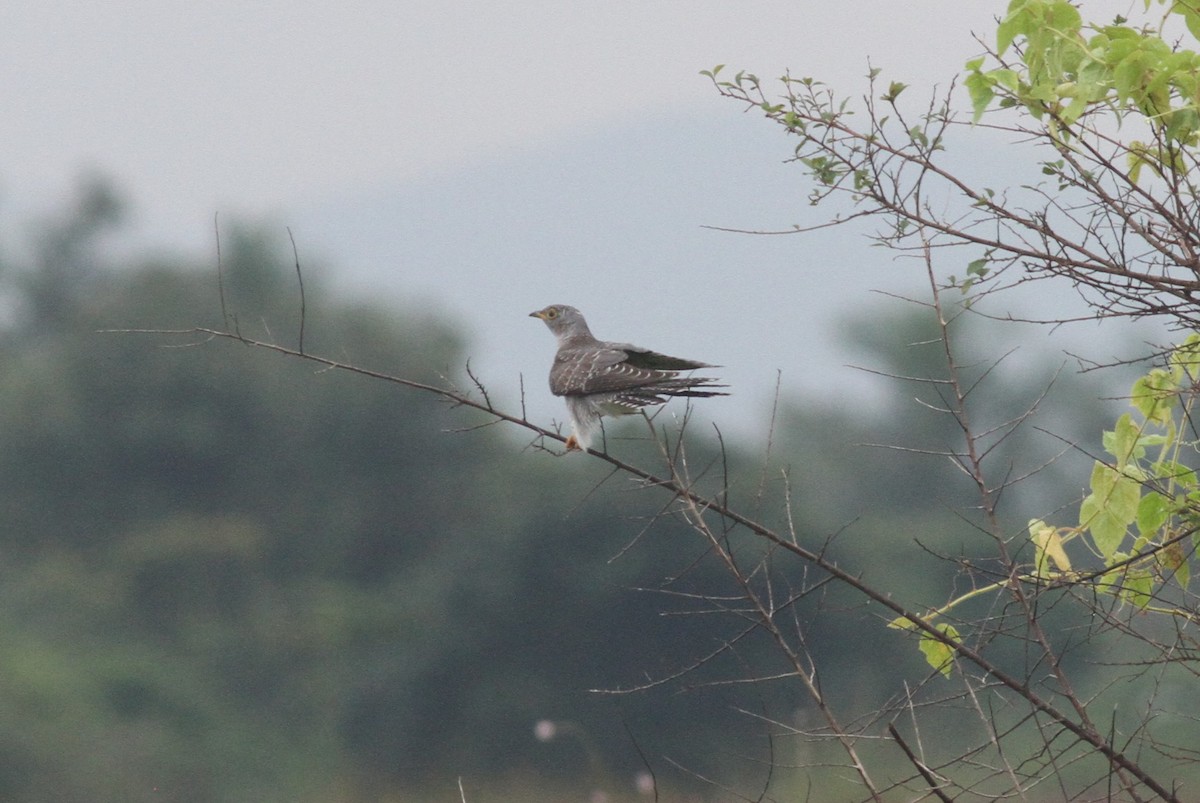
(598, 378)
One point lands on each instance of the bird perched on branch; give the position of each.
(598, 378)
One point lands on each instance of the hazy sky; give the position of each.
(487, 157)
(256, 106)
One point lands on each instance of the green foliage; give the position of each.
(1111, 506)
(1065, 68)
(938, 653)
(1145, 483)
(977, 271)
(1110, 106)
(1049, 555)
(1140, 515)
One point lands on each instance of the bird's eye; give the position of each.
(551, 313)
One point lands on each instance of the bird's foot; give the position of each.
(573, 444)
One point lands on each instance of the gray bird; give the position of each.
(598, 378)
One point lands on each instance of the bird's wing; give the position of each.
(644, 358)
(610, 367)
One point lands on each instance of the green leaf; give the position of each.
(980, 90)
(1006, 78)
(1173, 558)
(1103, 479)
(1126, 495)
(938, 654)
(1191, 17)
(1048, 548)
(1138, 587)
(1122, 442)
(1136, 162)
(1177, 473)
(894, 90)
(978, 267)
(1106, 530)
(1074, 110)
(1110, 508)
(1186, 358)
(1154, 395)
(1153, 512)
(1014, 24)
(1181, 124)
(1183, 573)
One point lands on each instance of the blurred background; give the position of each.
(228, 576)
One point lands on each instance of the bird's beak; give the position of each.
(539, 314)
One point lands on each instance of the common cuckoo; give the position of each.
(598, 378)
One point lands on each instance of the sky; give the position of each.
(488, 158)
(256, 106)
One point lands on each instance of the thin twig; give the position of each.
(220, 270)
(300, 281)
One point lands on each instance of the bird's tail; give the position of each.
(696, 387)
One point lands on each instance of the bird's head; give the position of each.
(564, 321)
